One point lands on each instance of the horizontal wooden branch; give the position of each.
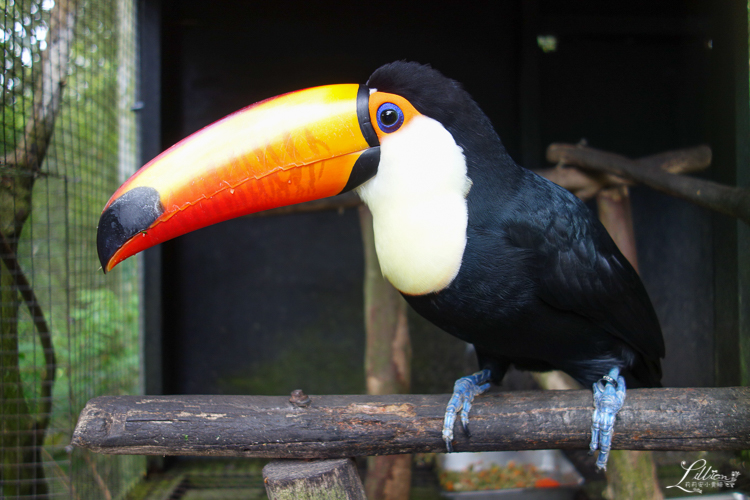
(724, 199)
(587, 183)
(680, 161)
(343, 426)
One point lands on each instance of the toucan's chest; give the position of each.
(418, 203)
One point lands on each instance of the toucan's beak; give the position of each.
(293, 148)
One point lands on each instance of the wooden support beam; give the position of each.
(362, 425)
(313, 480)
(387, 363)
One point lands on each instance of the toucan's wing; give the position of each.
(578, 268)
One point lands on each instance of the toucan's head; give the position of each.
(405, 129)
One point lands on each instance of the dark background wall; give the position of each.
(267, 305)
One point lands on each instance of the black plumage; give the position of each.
(541, 285)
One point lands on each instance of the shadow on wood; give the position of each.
(347, 426)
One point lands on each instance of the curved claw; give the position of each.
(465, 425)
(609, 396)
(464, 391)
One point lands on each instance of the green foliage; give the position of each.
(105, 323)
(93, 318)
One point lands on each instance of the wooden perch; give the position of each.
(724, 199)
(362, 425)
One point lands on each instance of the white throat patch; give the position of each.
(418, 204)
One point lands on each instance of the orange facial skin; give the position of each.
(379, 98)
(289, 149)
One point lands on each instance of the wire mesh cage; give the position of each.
(67, 334)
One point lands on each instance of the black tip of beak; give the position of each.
(128, 215)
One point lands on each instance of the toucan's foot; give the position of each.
(464, 391)
(609, 395)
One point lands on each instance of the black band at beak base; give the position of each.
(366, 165)
(364, 169)
(363, 114)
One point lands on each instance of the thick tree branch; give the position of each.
(724, 199)
(32, 148)
(343, 426)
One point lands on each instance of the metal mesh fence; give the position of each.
(67, 334)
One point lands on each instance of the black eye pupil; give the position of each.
(388, 117)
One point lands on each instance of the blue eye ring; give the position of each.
(390, 117)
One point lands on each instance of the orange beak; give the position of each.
(289, 149)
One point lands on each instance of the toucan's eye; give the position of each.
(390, 117)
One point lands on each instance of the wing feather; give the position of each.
(580, 269)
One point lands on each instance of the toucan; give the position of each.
(485, 249)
